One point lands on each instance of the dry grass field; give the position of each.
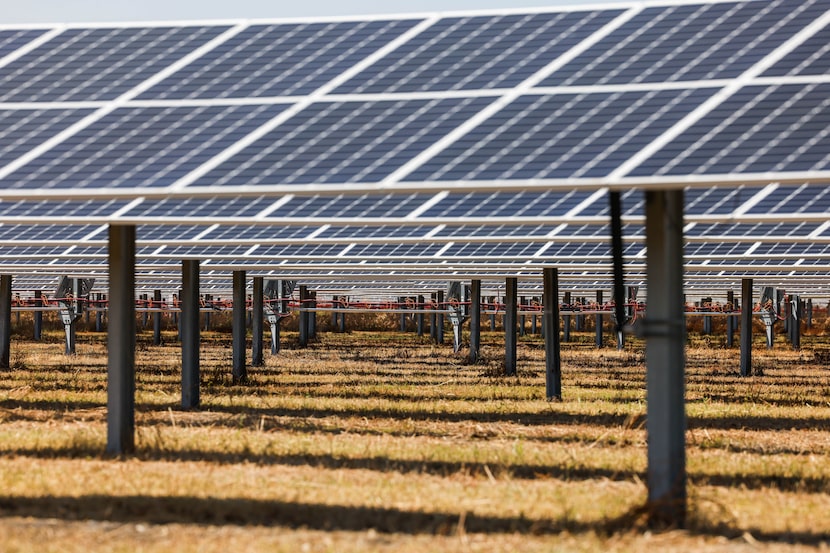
(381, 441)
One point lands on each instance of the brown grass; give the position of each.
(382, 441)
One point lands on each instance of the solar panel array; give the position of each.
(478, 143)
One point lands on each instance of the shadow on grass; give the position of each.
(568, 472)
(314, 516)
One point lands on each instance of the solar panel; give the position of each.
(810, 58)
(485, 52)
(758, 129)
(562, 135)
(344, 142)
(279, 60)
(98, 63)
(140, 147)
(691, 42)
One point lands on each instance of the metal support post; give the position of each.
(665, 358)
(510, 338)
(401, 305)
(522, 318)
(157, 317)
(550, 324)
(796, 313)
(239, 329)
(493, 300)
(121, 341)
(475, 320)
(5, 321)
(419, 318)
(706, 304)
(809, 313)
(38, 315)
(303, 338)
(730, 320)
(439, 319)
(579, 319)
(189, 330)
(257, 316)
(566, 319)
(598, 330)
(746, 327)
(145, 314)
(312, 316)
(208, 301)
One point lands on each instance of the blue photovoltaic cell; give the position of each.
(61, 208)
(241, 232)
(562, 135)
(689, 42)
(98, 64)
(32, 255)
(366, 205)
(344, 142)
(168, 232)
(717, 201)
(202, 252)
(756, 130)
(496, 230)
(10, 233)
(806, 250)
(752, 229)
(12, 40)
(279, 60)
(180, 208)
(577, 249)
(715, 249)
(511, 204)
(492, 249)
(24, 129)
(140, 147)
(795, 199)
(279, 252)
(810, 58)
(404, 231)
(485, 52)
(393, 251)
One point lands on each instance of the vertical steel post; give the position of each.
(494, 299)
(566, 319)
(598, 330)
(189, 330)
(121, 341)
(522, 317)
(730, 320)
(38, 315)
(257, 316)
(797, 313)
(809, 310)
(303, 338)
(312, 316)
(510, 338)
(401, 305)
(475, 320)
(419, 318)
(550, 326)
(157, 317)
(439, 319)
(746, 327)
(665, 358)
(239, 329)
(5, 321)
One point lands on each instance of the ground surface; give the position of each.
(381, 441)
